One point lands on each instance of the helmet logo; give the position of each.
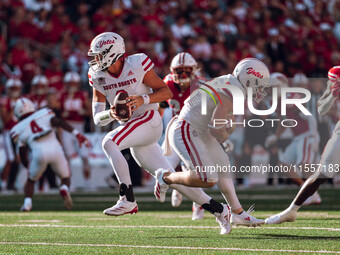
(252, 71)
(102, 43)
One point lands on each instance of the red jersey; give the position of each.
(55, 79)
(8, 104)
(73, 105)
(39, 101)
(177, 101)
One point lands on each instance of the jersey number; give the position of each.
(121, 90)
(35, 128)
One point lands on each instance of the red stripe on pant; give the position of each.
(127, 126)
(132, 126)
(186, 143)
(196, 153)
(185, 124)
(136, 124)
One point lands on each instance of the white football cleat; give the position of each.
(176, 198)
(245, 219)
(26, 207)
(314, 199)
(65, 194)
(197, 212)
(122, 207)
(287, 215)
(224, 220)
(160, 187)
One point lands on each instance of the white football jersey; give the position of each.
(36, 125)
(129, 80)
(192, 109)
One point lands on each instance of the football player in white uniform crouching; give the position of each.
(34, 133)
(194, 136)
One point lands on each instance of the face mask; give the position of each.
(184, 81)
(40, 91)
(72, 89)
(15, 94)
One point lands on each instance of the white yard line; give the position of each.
(171, 247)
(150, 226)
(41, 221)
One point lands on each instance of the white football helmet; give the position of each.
(183, 59)
(252, 72)
(13, 82)
(13, 87)
(39, 84)
(72, 77)
(278, 80)
(40, 79)
(300, 79)
(106, 48)
(23, 106)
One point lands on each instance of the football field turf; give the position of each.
(160, 229)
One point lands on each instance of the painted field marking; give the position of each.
(172, 247)
(149, 226)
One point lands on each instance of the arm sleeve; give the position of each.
(100, 116)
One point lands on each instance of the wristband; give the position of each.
(146, 99)
(75, 132)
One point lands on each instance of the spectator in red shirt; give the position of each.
(55, 75)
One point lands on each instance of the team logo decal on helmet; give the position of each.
(253, 73)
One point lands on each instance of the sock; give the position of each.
(240, 213)
(196, 195)
(118, 162)
(126, 191)
(195, 205)
(28, 200)
(294, 207)
(213, 207)
(64, 186)
(226, 186)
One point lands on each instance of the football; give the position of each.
(123, 111)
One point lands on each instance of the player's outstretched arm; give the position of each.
(328, 98)
(57, 122)
(161, 91)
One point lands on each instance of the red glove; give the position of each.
(83, 140)
(336, 89)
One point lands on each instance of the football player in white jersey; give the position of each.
(182, 80)
(195, 138)
(35, 133)
(330, 158)
(110, 73)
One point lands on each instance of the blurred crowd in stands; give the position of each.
(52, 37)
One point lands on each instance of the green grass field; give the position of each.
(160, 229)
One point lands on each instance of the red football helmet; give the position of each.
(334, 74)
